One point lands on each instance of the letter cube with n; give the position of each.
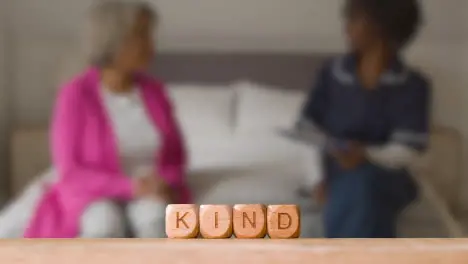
(249, 221)
(182, 221)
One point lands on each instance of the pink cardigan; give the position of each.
(85, 155)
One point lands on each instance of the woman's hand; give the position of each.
(354, 156)
(164, 191)
(153, 187)
(145, 186)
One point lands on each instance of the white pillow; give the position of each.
(203, 111)
(265, 109)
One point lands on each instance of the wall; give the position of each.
(4, 107)
(193, 25)
(43, 30)
(462, 116)
(445, 57)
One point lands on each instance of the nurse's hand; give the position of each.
(319, 193)
(354, 156)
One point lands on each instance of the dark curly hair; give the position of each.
(397, 20)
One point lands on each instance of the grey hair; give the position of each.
(109, 23)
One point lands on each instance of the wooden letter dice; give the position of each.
(242, 220)
(283, 221)
(182, 221)
(216, 221)
(249, 220)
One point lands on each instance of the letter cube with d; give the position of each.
(283, 221)
(242, 220)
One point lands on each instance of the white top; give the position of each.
(136, 136)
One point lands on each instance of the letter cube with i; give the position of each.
(215, 221)
(182, 221)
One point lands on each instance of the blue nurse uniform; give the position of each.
(365, 202)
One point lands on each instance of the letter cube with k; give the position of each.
(182, 221)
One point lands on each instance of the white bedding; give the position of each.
(15, 215)
(266, 170)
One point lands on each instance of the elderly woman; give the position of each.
(116, 147)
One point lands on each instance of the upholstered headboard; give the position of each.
(29, 148)
(290, 71)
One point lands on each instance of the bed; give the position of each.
(230, 107)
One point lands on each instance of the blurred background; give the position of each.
(35, 36)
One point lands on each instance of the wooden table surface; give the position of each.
(167, 251)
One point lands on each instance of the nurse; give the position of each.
(371, 112)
